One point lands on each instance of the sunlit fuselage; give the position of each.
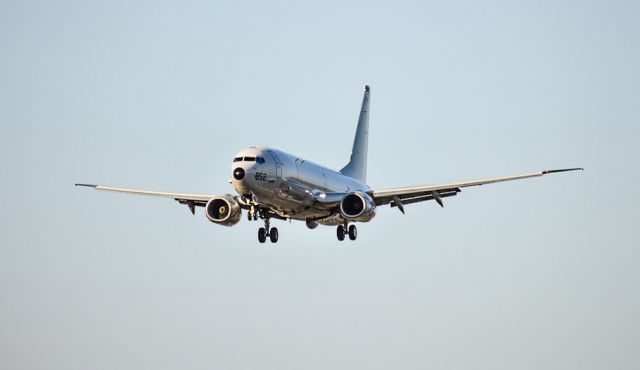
(289, 184)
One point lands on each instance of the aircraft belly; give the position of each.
(294, 209)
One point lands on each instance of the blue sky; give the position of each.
(540, 273)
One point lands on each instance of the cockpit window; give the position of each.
(249, 159)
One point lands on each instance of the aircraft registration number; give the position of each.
(261, 176)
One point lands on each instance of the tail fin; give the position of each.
(357, 166)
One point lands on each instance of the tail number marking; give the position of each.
(261, 176)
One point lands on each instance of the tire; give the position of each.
(262, 235)
(353, 232)
(340, 233)
(273, 235)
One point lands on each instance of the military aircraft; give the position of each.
(272, 184)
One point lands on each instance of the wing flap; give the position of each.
(423, 198)
(408, 198)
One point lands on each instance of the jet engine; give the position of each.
(357, 206)
(223, 210)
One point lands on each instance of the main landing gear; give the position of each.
(265, 231)
(352, 231)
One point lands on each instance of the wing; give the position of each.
(191, 200)
(397, 197)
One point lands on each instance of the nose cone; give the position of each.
(238, 174)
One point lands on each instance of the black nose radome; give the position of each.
(238, 173)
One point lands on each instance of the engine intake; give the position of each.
(223, 210)
(357, 206)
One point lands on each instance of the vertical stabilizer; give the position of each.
(357, 166)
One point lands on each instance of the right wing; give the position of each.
(397, 197)
(191, 200)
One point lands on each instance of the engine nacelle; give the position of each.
(357, 206)
(223, 210)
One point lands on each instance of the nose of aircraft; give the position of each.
(238, 173)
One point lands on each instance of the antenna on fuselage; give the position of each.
(357, 166)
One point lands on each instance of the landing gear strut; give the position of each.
(252, 215)
(265, 231)
(351, 230)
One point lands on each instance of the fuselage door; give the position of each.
(324, 180)
(278, 164)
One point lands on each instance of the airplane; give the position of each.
(272, 184)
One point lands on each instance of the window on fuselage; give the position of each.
(260, 160)
(249, 159)
(237, 159)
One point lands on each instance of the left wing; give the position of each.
(397, 197)
(191, 200)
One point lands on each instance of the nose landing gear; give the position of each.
(262, 235)
(273, 235)
(252, 215)
(265, 231)
(352, 231)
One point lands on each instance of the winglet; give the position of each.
(562, 170)
(88, 185)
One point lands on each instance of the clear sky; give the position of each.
(535, 274)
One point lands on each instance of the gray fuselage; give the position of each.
(289, 184)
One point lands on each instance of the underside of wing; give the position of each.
(191, 200)
(153, 193)
(397, 197)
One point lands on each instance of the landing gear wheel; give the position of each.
(353, 232)
(340, 233)
(262, 235)
(273, 235)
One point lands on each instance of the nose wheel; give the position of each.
(342, 230)
(267, 231)
(273, 235)
(262, 235)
